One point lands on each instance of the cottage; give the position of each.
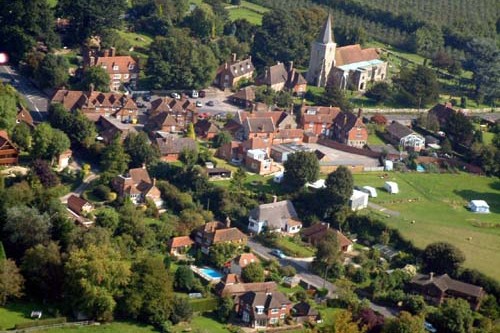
(263, 309)
(275, 217)
(358, 200)
(232, 72)
(436, 289)
(179, 245)
(79, 205)
(230, 286)
(236, 265)
(405, 137)
(217, 232)
(205, 129)
(479, 206)
(8, 151)
(318, 231)
(391, 187)
(171, 147)
(138, 186)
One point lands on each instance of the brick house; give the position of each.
(263, 309)
(206, 129)
(217, 232)
(279, 77)
(179, 245)
(79, 205)
(317, 232)
(171, 147)
(404, 137)
(121, 69)
(138, 186)
(109, 128)
(435, 289)
(171, 115)
(94, 104)
(231, 286)
(230, 73)
(349, 129)
(9, 153)
(236, 265)
(318, 119)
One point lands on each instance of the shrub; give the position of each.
(102, 192)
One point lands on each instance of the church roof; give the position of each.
(326, 35)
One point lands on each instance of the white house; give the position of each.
(479, 206)
(391, 187)
(358, 200)
(275, 217)
(372, 192)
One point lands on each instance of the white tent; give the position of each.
(359, 200)
(370, 190)
(391, 187)
(479, 206)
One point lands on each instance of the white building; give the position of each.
(479, 206)
(275, 217)
(358, 200)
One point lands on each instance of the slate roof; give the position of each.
(276, 214)
(280, 74)
(398, 130)
(271, 300)
(345, 120)
(351, 54)
(444, 283)
(326, 35)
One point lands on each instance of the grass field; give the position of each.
(437, 204)
(115, 327)
(251, 12)
(291, 247)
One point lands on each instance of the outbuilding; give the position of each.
(359, 200)
(479, 206)
(391, 187)
(372, 192)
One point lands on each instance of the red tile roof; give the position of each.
(76, 204)
(354, 53)
(118, 64)
(181, 241)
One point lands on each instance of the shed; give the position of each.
(372, 192)
(479, 206)
(391, 187)
(359, 200)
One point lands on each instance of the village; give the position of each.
(263, 199)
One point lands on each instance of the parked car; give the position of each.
(278, 253)
(199, 104)
(175, 95)
(210, 103)
(202, 94)
(194, 94)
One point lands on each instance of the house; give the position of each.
(258, 127)
(479, 206)
(275, 217)
(138, 186)
(79, 205)
(280, 153)
(23, 116)
(9, 153)
(110, 128)
(217, 232)
(179, 245)
(405, 137)
(206, 129)
(348, 67)
(171, 147)
(317, 232)
(442, 112)
(435, 289)
(243, 97)
(358, 200)
(391, 187)
(284, 136)
(303, 312)
(171, 115)
(121, 69)
(279, 78)
(349, 129)
(263, 309)
(94, 104)
(230, 73)
(318, 119)
(258, 161)
(230, 286)
(236, 265)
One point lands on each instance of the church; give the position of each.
(349, 67)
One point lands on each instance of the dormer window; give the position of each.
(115, 67)
(131, 66)
(104, 66)
(311, 111)
(259, 309)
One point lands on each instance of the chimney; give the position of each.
(228, 222)
(91, 89)
(233, 57)
(275, 198)
(105, 53)
(431, 276)
(144, 165)
(112, 51)
(360, 112)
(290, 66)
(448, 105)
(154, 181)
(225, 65)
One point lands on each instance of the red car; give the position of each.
(203, 115)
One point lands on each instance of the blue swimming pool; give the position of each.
(211, 272)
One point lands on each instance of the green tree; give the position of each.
(182, 310)
(300, 168)
(379, 92)
(225, 309)
(140, 149)
(253, 272)
(343, 323)
(459, 128)
(52, 71)
(82, 130)
(190, 132)
(96, 76)
(485, 65)
(327, 253)
(405, 323)
(48, 142)
(8, 107)
(114, 160)
(339, 185)
(107, 218)
(184, 278)
(177, 61)
(221, 253)
(238, 180)
(417, 87)
(21, 135)
(221, 138)
(454, 316)
(333, 96)
(11, 281)
(442, 257)
(202, 22)
(149, 294)
(188, 157)
(94, 278)
(428, 40)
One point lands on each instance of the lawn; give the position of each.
(115, 327)
(437, 204)
(292, 248)
(251, 12)
(17, 312)
(201, 324)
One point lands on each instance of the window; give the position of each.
(274, 311)
(282, 316)
(115, 67)
(260, 309)
(125, 76)
(131, 67)
(117, 76)
(273, 321)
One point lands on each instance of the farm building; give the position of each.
(359, 200)
(479, 206)
(391, 187)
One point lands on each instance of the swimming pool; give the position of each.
(211, 273)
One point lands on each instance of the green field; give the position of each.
(115, 327)
(437, 204)
(251, 12)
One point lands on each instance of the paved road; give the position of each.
(37, 101)
(302, 267)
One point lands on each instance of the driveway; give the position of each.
(37, 101)
(80, 189)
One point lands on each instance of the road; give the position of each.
(302, 267)
(37, 100)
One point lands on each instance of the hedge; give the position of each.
(41, 322)
(204, 305)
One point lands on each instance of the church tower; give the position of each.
(322, 56)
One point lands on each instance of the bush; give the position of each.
(287, 270)
(41, 322)
(102, 192)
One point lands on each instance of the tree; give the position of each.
(485, 65)
(190, 132)
(327, 253)
(96, 76)
(44, 173)
(182, 311)
(417, 87)
(221, 138)
(48, 143)
(21, 135)
(107, 218)
(52, 71)
(414, 304)
(177, 61)
(339, 185)
(225, 309)
(149, 294)
(379, 92)
(140, 149)
(237, 183)
(90, 17)
(114, 159)
(442, 257)
(82, 130)
(11, 281)
(428, 40)
(333, 96)
(221, 253)
(459, 128)
(343, 323)
(8, 107)
(188, 157)
(300, 168)
(184, 278)
(202, 22)
(94, 278)
(42, 267)
(454, 316)
(253, 272)
(405, 323)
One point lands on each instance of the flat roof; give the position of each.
(360, 65)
